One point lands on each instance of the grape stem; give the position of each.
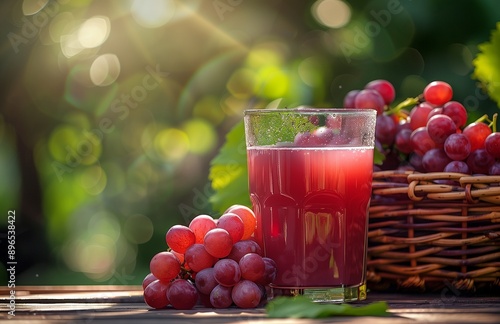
(408, 102)
(493, 123)
(482, 119)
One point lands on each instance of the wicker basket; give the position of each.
(432, 230)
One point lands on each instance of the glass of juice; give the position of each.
(310, 179)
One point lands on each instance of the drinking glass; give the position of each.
(310, 179)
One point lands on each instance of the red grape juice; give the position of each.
(311, 206)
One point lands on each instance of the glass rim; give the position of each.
(310, 110)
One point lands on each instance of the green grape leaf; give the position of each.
(487, 65)
(228, 172)
(378, 157)
(303, 307)
(275, 128)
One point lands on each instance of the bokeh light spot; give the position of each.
(242, 83)
(201, 134)
(460, 59)
(412, 84)
(92, 254)
(209, 108)
(70, 146)
(138, 229)
(98, 256)
(272, 82)
(106, 223)
(59, 25)
(153, 13)
(94, 31)
(171, 144)
(331, 13)
(310, 71)
(93, 180)
(105, 70)
(31, 7)
(70, 45)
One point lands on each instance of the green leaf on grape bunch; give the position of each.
(303, 307)
(487, 65)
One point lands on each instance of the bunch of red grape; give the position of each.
(214, 262)
(429, 133)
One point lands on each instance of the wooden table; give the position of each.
(124, 304)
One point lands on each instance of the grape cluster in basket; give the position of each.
(214, 262)
(429, 133)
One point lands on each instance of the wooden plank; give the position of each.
(116, 305)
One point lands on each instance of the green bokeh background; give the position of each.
(107, 131)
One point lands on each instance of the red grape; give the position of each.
(349, 99)
(321, 136)
(492, 144)
(385, 129)
(179, 238)
(385, 88)
(243, 247)
(419, 115)
(246, 294)
(476, 133)
(252, 267)
(247, 216)
(205, 300)
(221, 296)
(197, 258)
(457, 147)
(420, 141)
(148, 279)
(270, 271)
(494, 169)
(435, 160)
(182, 294)
(434, 112)
(302, 139)
(155, 294)
(370, 99)
(416, 161)
(438, 93)
(218, 242)
(456, 111)
(227, 272)
(233, 224)
(439, 127)
(334, 121)
(200, 225)
(480, 161)
(402, 140)
(165, 266)
(457, 166)
(205, 281)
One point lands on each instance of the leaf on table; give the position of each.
(487, 65)
(303, 307)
